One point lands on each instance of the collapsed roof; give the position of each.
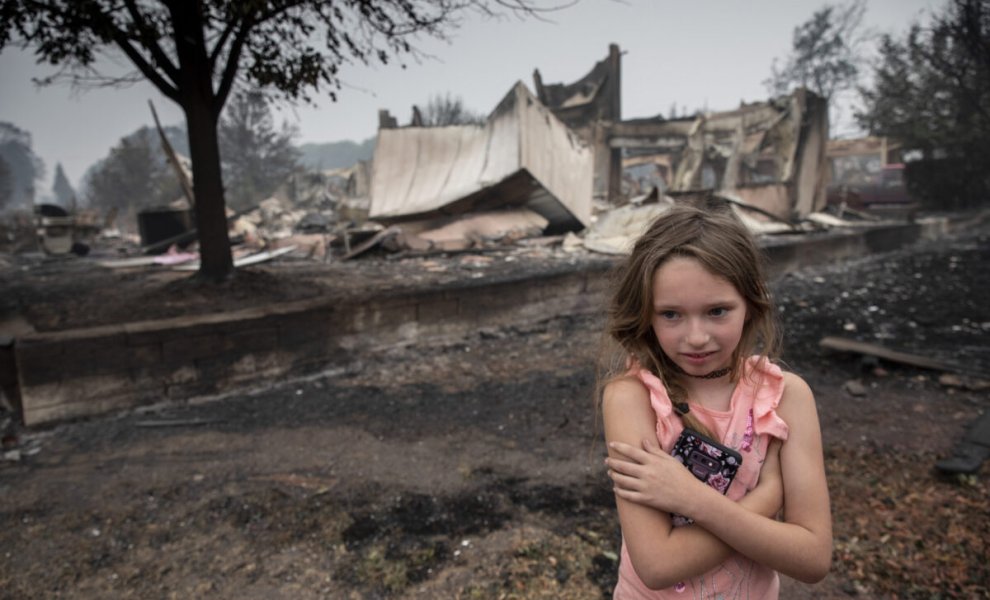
(522, 156)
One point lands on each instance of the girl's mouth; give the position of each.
(697, 357)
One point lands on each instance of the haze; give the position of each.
(693, 55)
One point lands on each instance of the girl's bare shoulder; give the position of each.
(795, 385)
(625, 394)
(623, 391)
(797, 401)
(626, 410)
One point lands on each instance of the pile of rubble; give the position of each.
(558, 166)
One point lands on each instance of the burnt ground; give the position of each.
(472, 469)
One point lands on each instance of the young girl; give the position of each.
(690, 311)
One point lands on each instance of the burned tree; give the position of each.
(443, 110)
(196, 51)
(826, 55)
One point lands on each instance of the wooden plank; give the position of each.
(123, 263)
(176, 422)
(847, 345)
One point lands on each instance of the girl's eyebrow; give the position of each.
(668, 306)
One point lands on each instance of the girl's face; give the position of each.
(698, 317)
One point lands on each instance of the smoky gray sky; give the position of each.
(694, 54)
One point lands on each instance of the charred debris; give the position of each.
(554, 167)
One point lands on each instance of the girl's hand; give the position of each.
(651, 477)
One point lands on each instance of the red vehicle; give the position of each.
(878, 192)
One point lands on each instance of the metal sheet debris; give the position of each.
(523, 156)
(616, 231)
(251, 259)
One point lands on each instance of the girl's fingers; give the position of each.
(628, 495)
(626, 468)
(621, 448)
(630, 452)
(624, 482)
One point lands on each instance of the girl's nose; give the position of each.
(697, 335)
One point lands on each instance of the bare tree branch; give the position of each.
(149, 41)
(232, 65)
(164, 86)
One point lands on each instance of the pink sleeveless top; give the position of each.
(746, 427)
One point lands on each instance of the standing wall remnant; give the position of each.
(770, 154)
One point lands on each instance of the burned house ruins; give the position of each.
(570, 142)
(542, 168)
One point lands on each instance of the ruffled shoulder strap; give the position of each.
(763, 381)
(668, 426)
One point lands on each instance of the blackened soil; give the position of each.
(929, 299)
(471, 469)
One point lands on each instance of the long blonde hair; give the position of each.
(723, 245)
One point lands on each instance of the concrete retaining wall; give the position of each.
(790, 254)
(71, 374)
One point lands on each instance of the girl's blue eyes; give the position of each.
(719, 311)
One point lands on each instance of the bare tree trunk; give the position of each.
(198, 101)
(216, 263)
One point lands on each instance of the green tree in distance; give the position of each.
(931, 88)
(335, 155)
(256, 157)
(6, 184)
(931, 91)
(23, 165)
(194, 51)
(134, 175)
(62, 190)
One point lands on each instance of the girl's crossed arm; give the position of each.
(800, 547)
(663, 555)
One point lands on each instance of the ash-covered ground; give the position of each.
(473, 469)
